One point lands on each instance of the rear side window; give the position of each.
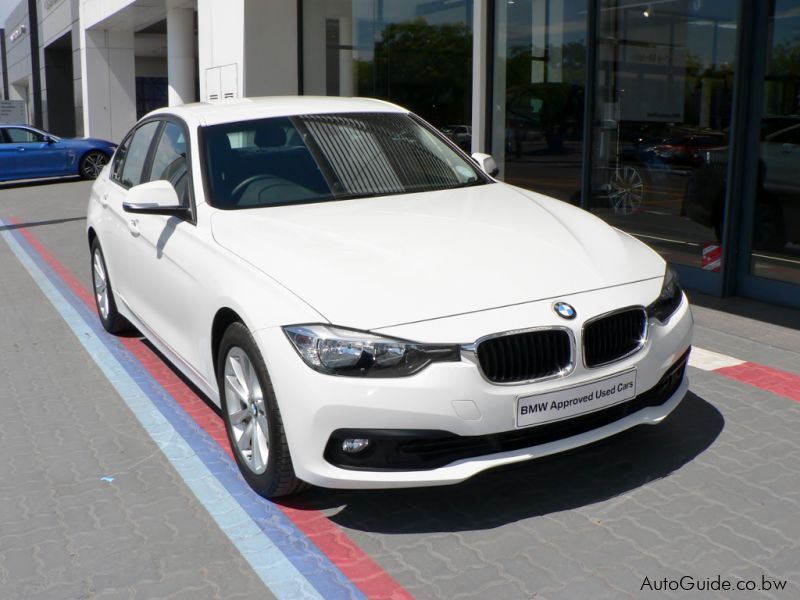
(119, 160)
(137, 154)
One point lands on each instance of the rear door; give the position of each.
(118, 239)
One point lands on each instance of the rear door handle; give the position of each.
(104, 200)
(20, 149)
(133, 225)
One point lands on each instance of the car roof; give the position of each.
(229, 111)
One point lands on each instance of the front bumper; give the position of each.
(408, 450)
(452, 402)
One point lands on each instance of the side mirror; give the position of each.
(487, 163)
(155, 198)
(49, 140)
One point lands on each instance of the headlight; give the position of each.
(337, 351)
(668, 300)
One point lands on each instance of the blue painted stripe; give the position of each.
(281, 554)
(315, 566)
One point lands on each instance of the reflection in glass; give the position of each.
(776, 218)
(416, 53)
(539, 73)
(661, 123)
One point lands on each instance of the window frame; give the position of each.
(162, 120)
(147, 157)
(324, 167)
(43, 135)
(154, 144)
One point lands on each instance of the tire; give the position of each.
(250, 410)
(92, 163)
(112, 321)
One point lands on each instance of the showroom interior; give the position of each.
(677, 121)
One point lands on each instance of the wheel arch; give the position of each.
(224, 318)
(90, 150)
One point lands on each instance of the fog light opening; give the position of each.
(354, 445)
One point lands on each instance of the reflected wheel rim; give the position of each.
(246, 411)
(100, 284)
(627, 190)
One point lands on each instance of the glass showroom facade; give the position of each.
(677, 121)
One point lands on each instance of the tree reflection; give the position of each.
(426, 68)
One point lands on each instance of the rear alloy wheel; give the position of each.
(252, 418)
(92, 163)
(112, 321)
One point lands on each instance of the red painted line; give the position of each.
(351, 560)
(771, 380)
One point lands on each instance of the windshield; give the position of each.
(314, 158)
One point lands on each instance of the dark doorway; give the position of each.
(59, 81)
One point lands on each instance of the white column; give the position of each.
(480, 35)
(109, 83)
(180, 55)
(346, 84)
(314, 61)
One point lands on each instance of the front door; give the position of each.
(163, 254)
(36, 156)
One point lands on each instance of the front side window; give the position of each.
(312, 158)
(19, 135)
(169, 160)
(136, 154)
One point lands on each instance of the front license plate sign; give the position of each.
(589, 397)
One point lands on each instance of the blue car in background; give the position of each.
(30, 153)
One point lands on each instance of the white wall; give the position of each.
(270, 49)
(247, 47)
(147, 66)
(220, 33)
(109, 90)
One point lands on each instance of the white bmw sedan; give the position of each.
(367, 306)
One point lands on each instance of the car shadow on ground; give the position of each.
(556, 483)
(40, 223)
(20, 183)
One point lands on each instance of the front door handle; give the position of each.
(133, 225)
(104, 200)
(20, 149)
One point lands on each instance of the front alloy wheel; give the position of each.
(252, 417)
(92, 164)
(245, 411)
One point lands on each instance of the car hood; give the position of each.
(376, 262)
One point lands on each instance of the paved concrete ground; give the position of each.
(713, 491)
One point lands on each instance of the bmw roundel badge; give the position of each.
(564, 310)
